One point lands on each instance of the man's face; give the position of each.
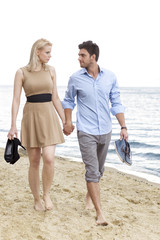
(84, 58)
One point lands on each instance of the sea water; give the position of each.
(142, 119)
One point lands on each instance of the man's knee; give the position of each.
(92, 176)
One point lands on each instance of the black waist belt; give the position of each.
(45, 97)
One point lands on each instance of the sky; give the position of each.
(127, 32)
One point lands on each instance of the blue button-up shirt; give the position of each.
(94, 98)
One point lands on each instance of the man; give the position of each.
(94, 87)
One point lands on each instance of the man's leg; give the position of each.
(93, 188)
(89, 203)
(102, 150)
(94, 192)
(88, 146)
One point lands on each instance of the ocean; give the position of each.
(142, 120)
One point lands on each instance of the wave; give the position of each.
(111, 150)
(149, 155)
(3, 130)
(154, 171)
(142, 145)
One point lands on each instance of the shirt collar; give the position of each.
(84, 70)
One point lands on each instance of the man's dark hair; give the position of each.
(91, 47)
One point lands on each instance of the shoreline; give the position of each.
(151, 178)
(146, 176)
(131, 205)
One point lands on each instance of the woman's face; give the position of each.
(44, 54)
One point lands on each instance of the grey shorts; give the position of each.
(94, 150)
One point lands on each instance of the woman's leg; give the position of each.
(34, 155)
(48, 174)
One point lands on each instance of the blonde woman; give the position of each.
(40, 127)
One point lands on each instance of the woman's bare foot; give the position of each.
(101, 220)
(48, 202)
(89, 203)
(38, 206)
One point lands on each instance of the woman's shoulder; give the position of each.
(19, 71)
(52, 71)
(50, 68)
(22, 69)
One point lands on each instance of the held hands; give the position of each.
(13, 131)
(68, 128)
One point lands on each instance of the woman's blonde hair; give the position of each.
(33, 61)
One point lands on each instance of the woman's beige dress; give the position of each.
(40, 125)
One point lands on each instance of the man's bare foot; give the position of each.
(38, 206)
(101, 220)
(89, 203)
(48, 202)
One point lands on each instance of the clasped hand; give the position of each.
(68, 128)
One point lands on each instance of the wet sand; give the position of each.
(131, 205)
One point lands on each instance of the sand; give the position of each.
(131, 205)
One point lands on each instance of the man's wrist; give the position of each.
(68, 122)
(123, 127)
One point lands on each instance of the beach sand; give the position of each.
(131, 205)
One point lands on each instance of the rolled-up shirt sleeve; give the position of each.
(116, 105)
(69, 99)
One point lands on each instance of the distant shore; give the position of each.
(131, 205)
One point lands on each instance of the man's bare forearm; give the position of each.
(121, 119)
(68, 128)
(68, 115)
